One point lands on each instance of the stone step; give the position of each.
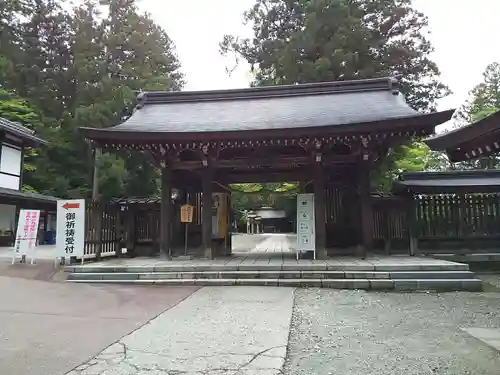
(421, 275)
(313, 266)
(442, 285)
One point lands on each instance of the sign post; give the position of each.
(26, 235)
(306, 238)
(70, 235)
(186, 218)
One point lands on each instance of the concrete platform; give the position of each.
(271, 262)
(469, 258)
(401, 273)
(488, 336)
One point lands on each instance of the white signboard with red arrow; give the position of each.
(70, 235)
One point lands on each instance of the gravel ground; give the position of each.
(355, 332)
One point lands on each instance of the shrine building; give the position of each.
(326, 136)
(477, 140)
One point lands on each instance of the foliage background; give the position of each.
(63, 69)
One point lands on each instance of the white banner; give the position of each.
(27, 233)
(306, 238)
(70, 235)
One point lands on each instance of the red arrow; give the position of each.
(67, 206)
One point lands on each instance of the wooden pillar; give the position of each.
(165, 210)
(119, 217)
(302, 186)
(412, 225)
(230, 219)
(207, 212)
(131, 232)
(98, 212)
(320, 209)
(366, 210)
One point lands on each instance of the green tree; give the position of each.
(253, 196)
(82, 70)
(484, 100)
(140, 57)
(300, 41)
(412, 157)
(18, 110)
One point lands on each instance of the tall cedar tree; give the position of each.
(81, 70)
(484, 99)
(300, 41)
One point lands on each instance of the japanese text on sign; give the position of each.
(187, 213)
(27, 231)
(69, 234)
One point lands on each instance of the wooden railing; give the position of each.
(439, 223)
(102, 230)
(390, 224)
(457, 223)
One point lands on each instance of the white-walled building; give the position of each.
(14, 140)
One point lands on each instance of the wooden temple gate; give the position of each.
(327, 136)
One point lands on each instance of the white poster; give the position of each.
(27, 233)
(70, 233)
(306, 240)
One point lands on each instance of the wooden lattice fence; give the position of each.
(440, 223)
(458, 222)
(449, 223)
(390, 223)
(103, 233)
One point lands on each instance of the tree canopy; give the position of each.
(61, 70)
(301, 41)
(77, 68)
(484, 99)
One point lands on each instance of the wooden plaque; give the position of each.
(187, 213)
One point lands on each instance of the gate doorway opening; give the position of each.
(264, 219)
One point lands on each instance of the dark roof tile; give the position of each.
(477, 134)
(20, 131)
(448, 182)
(19, 195)
(266, 108)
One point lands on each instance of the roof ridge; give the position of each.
(16, 126)
(262, 92)
(20, 131)
(465, 127)
(437, 175)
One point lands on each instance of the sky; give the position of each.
(464, 33)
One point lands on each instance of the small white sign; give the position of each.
(305, 239)
(70, 235)
(26, 234)
(304, 228)
(305, 224)
(304, 216)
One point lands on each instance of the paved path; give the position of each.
(489, 336)
(230, 331)
(42, 252)
(242, 242)
(275, 243)
(48, 328)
